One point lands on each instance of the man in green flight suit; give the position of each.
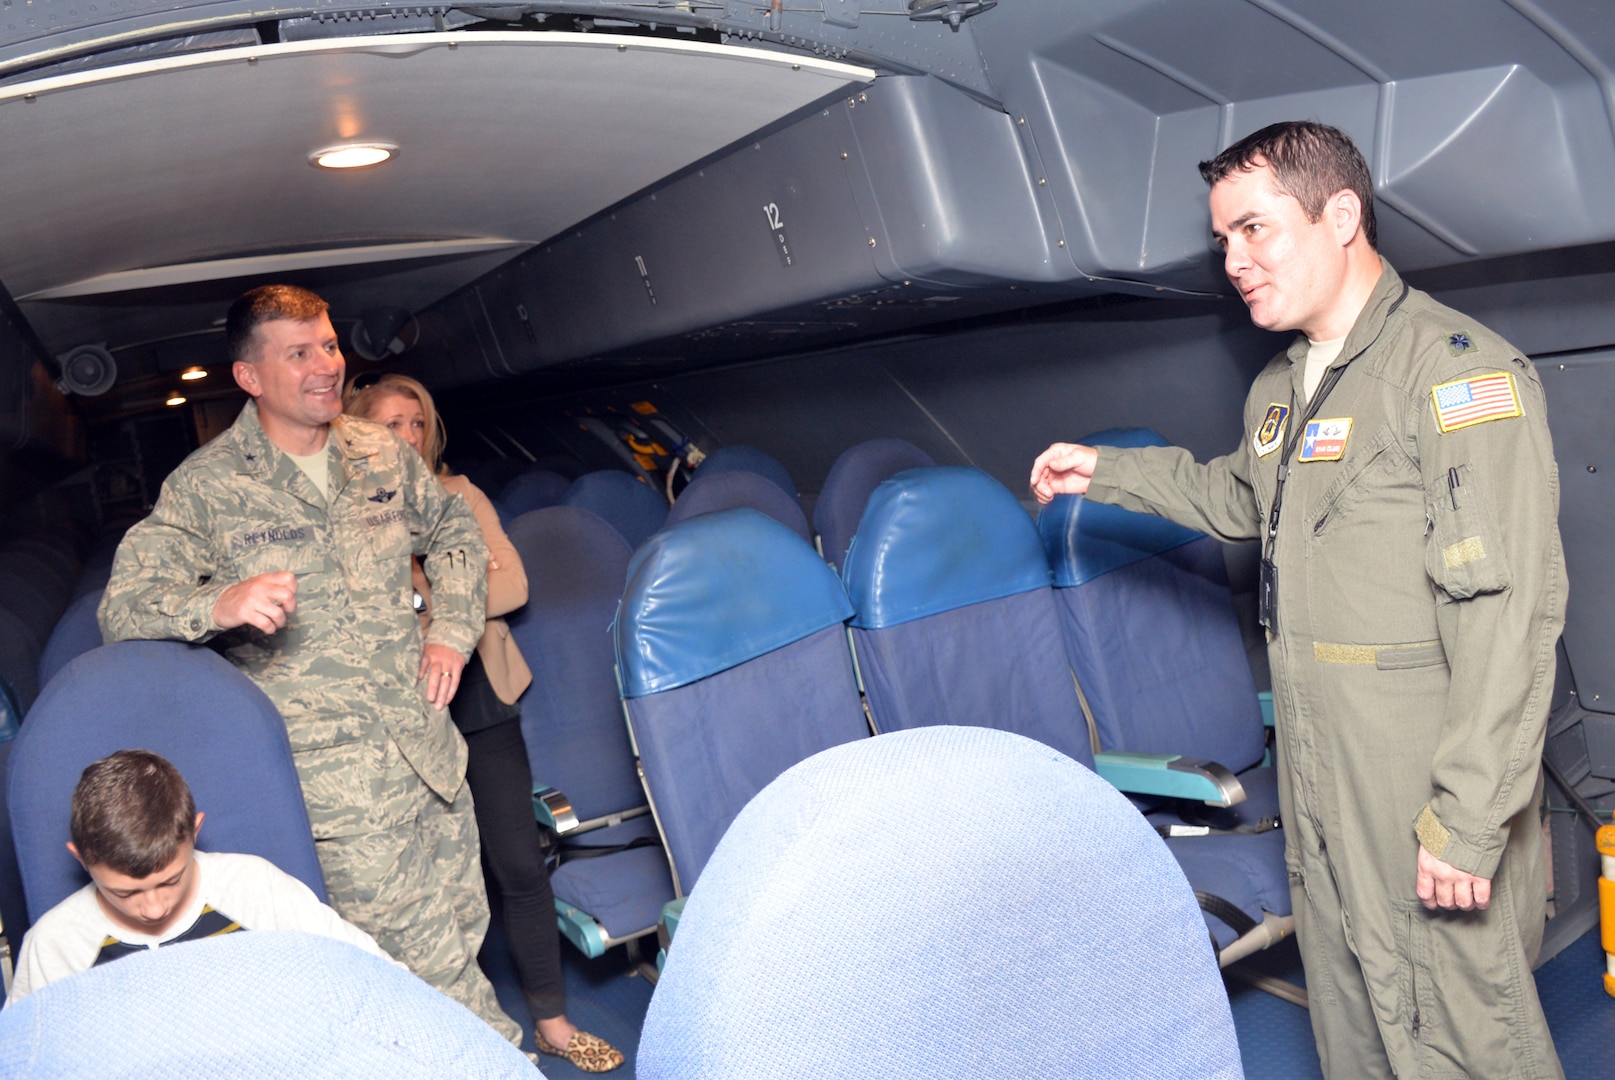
(287, 542)
(1398, 472)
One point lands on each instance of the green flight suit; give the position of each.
(1420, 594)
(383, 774)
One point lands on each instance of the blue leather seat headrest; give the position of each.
(932, 540)
(1085, 540)
(715, 591)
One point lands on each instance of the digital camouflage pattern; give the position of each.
(1420, 592)
(343, 670)
(383, 774)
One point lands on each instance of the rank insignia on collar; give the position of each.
(1271, 433)
(382, 495)
(1460, 343)
(1325, 440)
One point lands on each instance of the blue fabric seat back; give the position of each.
(19, 659)
(861, 919)
(627, 503)
(853, 478)
(709, 493)
(1151, 630)
(34, 609)
(572, 718)
(13, 904)
(76, 633)
(532, 490)
(260, 1004)
(733, 657)
(191, 706)
(749, 459)
(955, 619)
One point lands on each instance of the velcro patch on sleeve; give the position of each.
(1468, 550)
(1468, 402)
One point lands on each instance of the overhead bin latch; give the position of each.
(952, 12)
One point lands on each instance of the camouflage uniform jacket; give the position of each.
(342, 671)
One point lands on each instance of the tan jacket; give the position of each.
(507, 591)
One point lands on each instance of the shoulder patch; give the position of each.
(1460, 343)
(1267, 437)
(1473, 401)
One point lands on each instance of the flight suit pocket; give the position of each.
(1417, 1011)
(1464, 554)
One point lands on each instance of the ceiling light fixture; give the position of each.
(192, 374)
(352, 155)
(177, 399)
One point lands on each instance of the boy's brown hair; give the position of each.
(132, 811)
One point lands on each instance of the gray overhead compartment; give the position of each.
(1487, 125)
(908, 195)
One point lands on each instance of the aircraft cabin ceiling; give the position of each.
(137, 199)
(586, 183)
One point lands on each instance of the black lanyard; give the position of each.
(1267, 595)
(1294, 436)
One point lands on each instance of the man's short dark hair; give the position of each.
(131, 813)
(264, 304)
(1310, 162)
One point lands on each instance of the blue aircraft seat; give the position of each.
(627, 503)
(97, 568)
(52, 569)
(732, 655)
(491, 474)
(711, 492)
(191, 706)
(749, 459)
(531, 490)
(943, 903)
(577, 741)
(1154, 642)
(76, 633)
(853, 478)
(13, 904)
(1153, 637)
(260, 1004)
(955, 615)
(19, 659)
(33, 603)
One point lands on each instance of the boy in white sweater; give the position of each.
(134, 825)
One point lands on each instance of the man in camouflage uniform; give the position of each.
(1398, 470)
(288, 539)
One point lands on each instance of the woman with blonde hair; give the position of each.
(485, 710)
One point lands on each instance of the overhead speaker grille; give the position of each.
(88, 370)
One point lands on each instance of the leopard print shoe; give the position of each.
(589, 1053)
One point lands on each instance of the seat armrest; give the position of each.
(1170, 775)
(669, 924)
(553, 809)
(1265, 699)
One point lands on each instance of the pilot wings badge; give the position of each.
(1271, 433)
(382, 495)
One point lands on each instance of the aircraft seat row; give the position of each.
(632, 506)
(937, 590)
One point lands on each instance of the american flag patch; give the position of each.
(1467, 402)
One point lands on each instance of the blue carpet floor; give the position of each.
(1275, 1037)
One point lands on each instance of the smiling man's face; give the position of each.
(297, 377)
(1288, 270)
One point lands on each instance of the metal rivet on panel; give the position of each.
(871, 241)
(843, 155)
